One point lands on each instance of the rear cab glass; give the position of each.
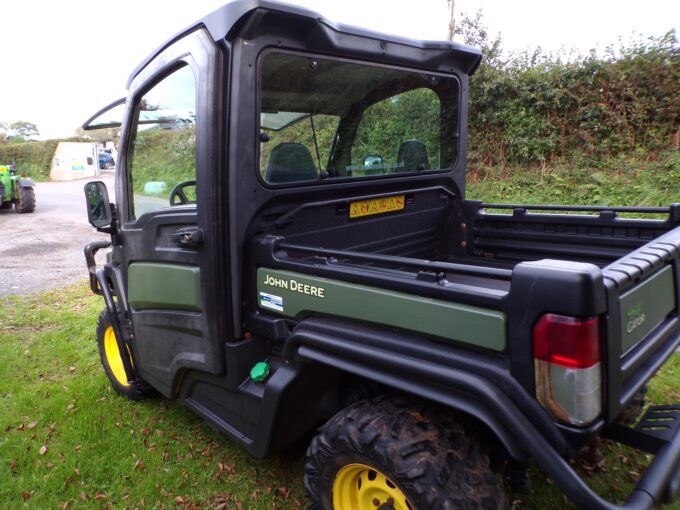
(323, 119)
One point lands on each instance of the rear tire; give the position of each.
(398, 452)
(26, 201)
(113, 364)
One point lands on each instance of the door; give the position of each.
(166, 200)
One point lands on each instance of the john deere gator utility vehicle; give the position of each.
(16, 190)
(291, 247)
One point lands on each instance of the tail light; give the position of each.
(567, 360)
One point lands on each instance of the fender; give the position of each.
(25, 182)
(322, 341)
(330, 343)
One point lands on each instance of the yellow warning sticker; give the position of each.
(376, 206)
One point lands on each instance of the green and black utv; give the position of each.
(16, 190)
(291, 247)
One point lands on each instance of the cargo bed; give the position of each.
(467, 247)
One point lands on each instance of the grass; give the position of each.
(69, 442)
(626, 180)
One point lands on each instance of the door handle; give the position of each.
(188, 237)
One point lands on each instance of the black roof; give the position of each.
(221, 22)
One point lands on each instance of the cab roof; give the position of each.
(224, 23)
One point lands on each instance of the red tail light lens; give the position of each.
(567, 341)
(567, 354)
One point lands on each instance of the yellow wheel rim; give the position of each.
(361, 487)
(113, 357)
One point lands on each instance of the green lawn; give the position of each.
(68, 442)
(628, 180)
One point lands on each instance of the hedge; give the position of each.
(33, 158)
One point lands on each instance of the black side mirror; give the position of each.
(98, 205)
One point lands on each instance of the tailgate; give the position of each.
(643, 325)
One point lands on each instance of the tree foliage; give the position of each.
(165, 155)
(18, 131)
(524, 109)
(534, 107)
(24, 129)
(413, 115)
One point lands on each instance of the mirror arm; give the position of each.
(113, 226)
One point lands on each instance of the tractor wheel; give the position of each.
(113, 363)
(6, 205)
(26, 201)
(398, 454)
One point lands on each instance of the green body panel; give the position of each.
(644, 307)
(297, 295)
(157, 286)
(6, 184)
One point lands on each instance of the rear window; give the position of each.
(327, 119)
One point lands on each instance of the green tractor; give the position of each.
(16, 190)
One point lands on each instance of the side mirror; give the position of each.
(98, 205)
(374, 165)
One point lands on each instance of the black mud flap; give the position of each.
(25, 182)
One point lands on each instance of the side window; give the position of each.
(399, 134)
(162, 155)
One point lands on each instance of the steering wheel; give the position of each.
(178, 192)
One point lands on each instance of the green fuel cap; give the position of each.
(260, 371)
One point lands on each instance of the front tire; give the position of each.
(113, 364)
(26, 201)
(397, 453)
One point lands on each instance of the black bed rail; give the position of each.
(588, 233)
(673, 210)
(422, 264)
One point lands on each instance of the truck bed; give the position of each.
(468, 247)
(507, 263)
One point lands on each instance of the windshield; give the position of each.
(325, 119)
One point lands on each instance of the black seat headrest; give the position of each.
(412, 156)
(290, 162)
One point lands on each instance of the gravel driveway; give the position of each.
(44, 249)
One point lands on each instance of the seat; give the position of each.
(412, 156)
(290, 162)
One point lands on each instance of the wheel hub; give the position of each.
(113, 356)
(361, 487)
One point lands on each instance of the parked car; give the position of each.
(106, 161)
